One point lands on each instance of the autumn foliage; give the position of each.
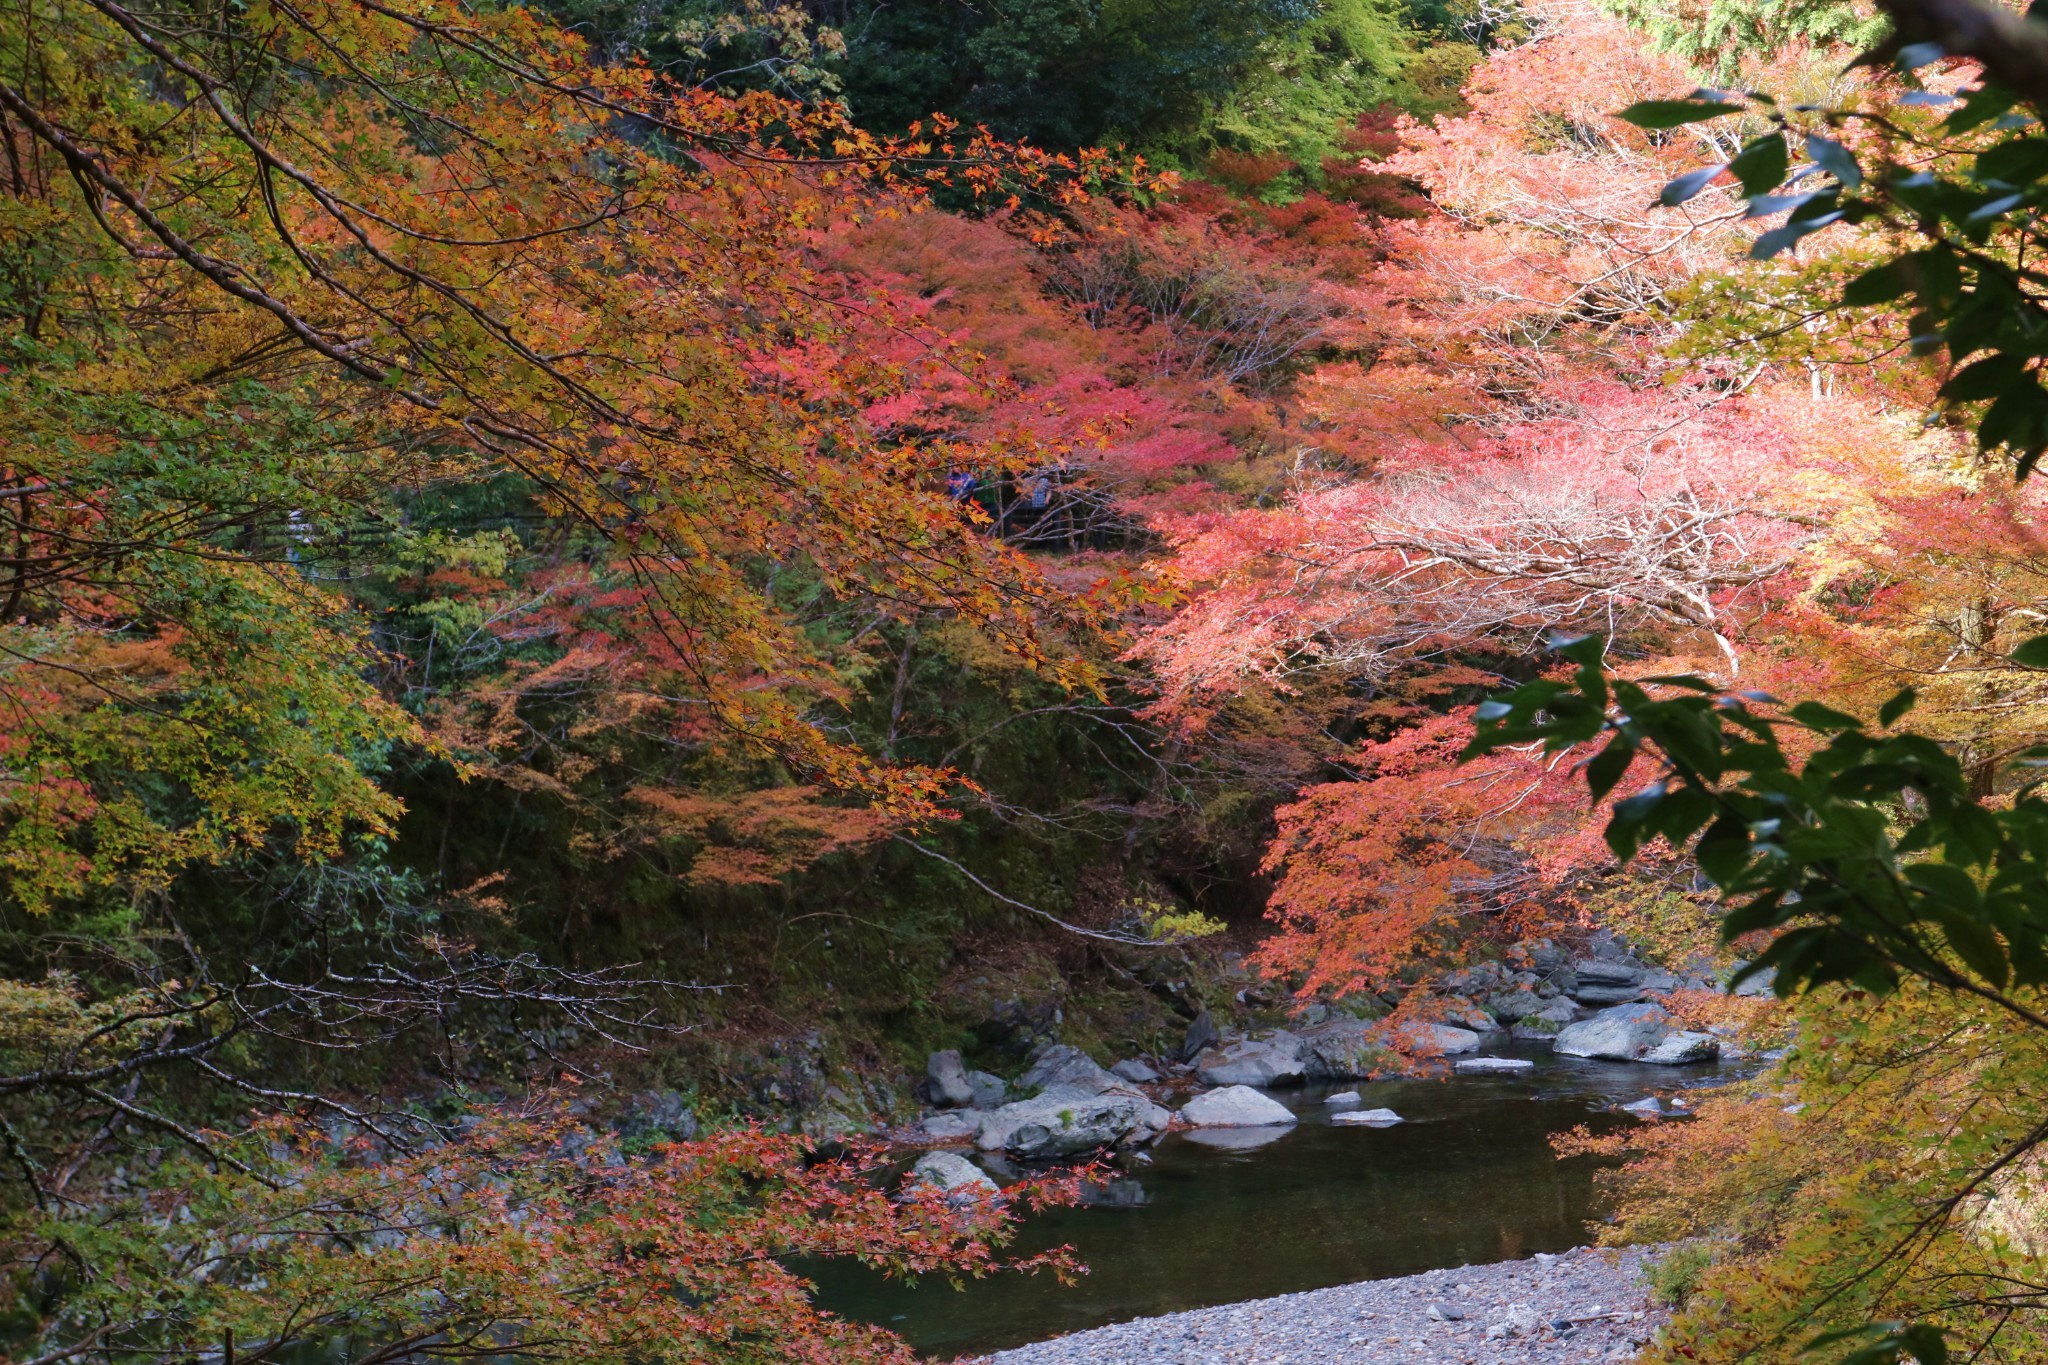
(530, 1236)
(479, 512)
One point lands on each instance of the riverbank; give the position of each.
(1583, 1305)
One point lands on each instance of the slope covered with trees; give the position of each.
(582, 587)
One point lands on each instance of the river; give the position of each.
(1470, 1177)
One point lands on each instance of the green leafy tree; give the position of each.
(1717, 36)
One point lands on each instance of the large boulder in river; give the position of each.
(953, 1175)
(1064, 1122)
(946, 1080)
(1281, 1059)
(1492, 1066)
(1070, 1068)
(1434, 1040)
(1601, 981)
(1201, 1033)
(1235, 1106)
(1622, 1033)
(1677, 1049)
(1347, 1050)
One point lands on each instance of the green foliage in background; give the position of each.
(1715, 37)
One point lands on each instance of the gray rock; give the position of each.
(1606, 946)
(1478, 979)
(1016, 1025)
(1202, 1033)
(1135, 1071)
(1346, 1050)
(1598, 972)
(1344, 1099)
(1355, 1005)
(946, 1078)
(1235, 1106)
(1372, 1118)
(1513, 1005)
(1436, 1040)
(951, 1125)
(960, 1180)
(1607, 995)
(989, 1091)
(1649, 1107)
(1492, 1066)
(1547, 1022)
(1157, 1119)
(1281, 1059)
(838, 1115)
(1758, 986)
(1679, 1048)
(1620, 1034)
(1659, 982)
(1444, 1312)
(1069, 1068)
(662, 1115)
(1065, 1122)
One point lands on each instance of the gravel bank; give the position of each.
(1585, 1305)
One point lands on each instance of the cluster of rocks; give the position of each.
(1070, 1106)
(1336, 1050)
(1543, 989)
(1599, 1003)
(1581, 1306)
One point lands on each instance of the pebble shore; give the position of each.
(1584, 1305)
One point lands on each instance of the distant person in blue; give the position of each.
(960, 485)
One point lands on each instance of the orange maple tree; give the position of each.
(290, 260)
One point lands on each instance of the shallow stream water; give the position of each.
(1469, 1178)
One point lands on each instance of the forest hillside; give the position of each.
(621, 618)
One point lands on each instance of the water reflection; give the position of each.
(1237, 1139)
(1246, 1213)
